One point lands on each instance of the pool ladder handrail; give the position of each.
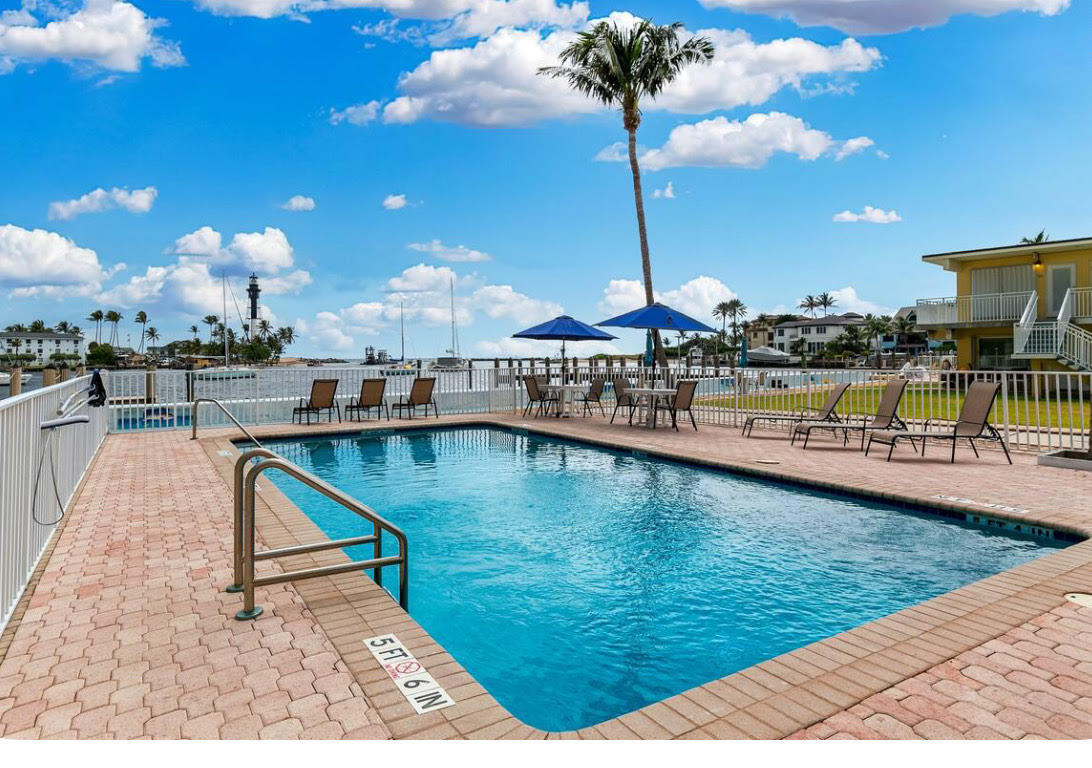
(218, 404)
(246, 556)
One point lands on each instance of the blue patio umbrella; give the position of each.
(564, 328)
(660, 317)
(743, 353)
(650, 349)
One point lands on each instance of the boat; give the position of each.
(453, 359)
(5, 378)
(399, 369)
(220, 374)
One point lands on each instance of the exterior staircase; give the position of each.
(1060, 339)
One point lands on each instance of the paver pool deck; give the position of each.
(125, 631)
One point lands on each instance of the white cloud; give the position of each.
(618, 152)
(870, 215)
(98, 200)
(696, 297)
(502, 301)
(495, 82)
(110, 34)
(299, 203)
(869, 17)
(39, 262)
(265, 252)
(853, 146)
(457, 253)
(667, 193)
(849, 301)
(394, 202)
(746, 144)
(358, 114)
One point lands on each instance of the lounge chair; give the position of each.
(537, 396)
(420, 396)
(678, 403)
(594, 396)
(370, 397)
(322, 399)
(887, 417)
(622, 398)
(972, 424)
(825, 414)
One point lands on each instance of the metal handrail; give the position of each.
(379, 525)
(218, 404)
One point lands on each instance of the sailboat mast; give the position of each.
(402, 323)
(454, 333)
(223, 282)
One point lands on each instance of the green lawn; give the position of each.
(921, 401)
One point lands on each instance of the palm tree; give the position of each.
(808, 304)
(63, 327)
(16, 328)
(193, 330)
(114, 317)
(96, 317)
(619, 67)
(876, 326)
(37, 326)
(264, 329)
(825, 301)
(737, 310)
(800, 347)
(151, 334)
(723, 310)
(211, 321)
(141, 319)
(1042, 237)
(904, 328)
(287, 334)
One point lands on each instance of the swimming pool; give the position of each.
(577, 583)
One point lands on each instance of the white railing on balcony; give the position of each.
(1075, 347)
(982, 308)
(25, 516)
(1082, 302)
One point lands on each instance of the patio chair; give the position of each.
(594, 396)
(622, 398)
(420, 396)
(678, 403)
(322, 399)
(536, 395)
(826, 413)
(886, 417)
(971, 424)
(370, 397)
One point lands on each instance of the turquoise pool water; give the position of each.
(577, 584)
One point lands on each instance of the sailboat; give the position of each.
(453, 359)
(400, 368)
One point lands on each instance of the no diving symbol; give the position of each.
(407, 667)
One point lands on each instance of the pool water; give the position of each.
(577, 584)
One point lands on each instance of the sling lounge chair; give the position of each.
(825, 414)
(972, 424)
(537, 396)
(420, 396)
(887, 417)
(370, 397)
(594, 396)
(678, 403)
(322, 399)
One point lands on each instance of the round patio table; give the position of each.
(648, 396)
(567, 393)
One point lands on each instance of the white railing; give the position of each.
(982, 308)
(1022, 330)
(1036, 410)
(1075, 347)
(25, 515)
(1082, 302)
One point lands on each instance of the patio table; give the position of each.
(567, 393)
(648, 396)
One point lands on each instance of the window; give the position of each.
(780, 331)
(1015, 279)
(806, 330)
(821, 330)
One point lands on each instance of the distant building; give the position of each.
(760, 331)
(43, 345)
(815, 331)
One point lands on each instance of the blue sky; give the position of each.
(198, 122)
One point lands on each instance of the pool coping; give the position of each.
(768, 700)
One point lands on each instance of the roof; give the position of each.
(39, 335)
(849, 318)
(1020, 249)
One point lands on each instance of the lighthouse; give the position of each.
(252, 293)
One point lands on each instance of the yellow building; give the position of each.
(1017, 307)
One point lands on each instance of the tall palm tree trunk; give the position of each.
(646, 261)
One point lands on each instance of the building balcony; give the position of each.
(981, 309)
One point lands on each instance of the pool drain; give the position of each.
(1082, 599)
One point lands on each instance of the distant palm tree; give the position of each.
(211, 321)
(722, 311)
(141, 319)
(1042, 237)
(113, 317)
(737, 310)
(286, 334)
(799, 347)
(825, 301)
(96, 317)
(904, 328)
(876, 326)
(37, 326)
(264, 329)
(63, 327)
(809, 304)
(16, 328)
(193, 330)
(151, 334)
(619, 66)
